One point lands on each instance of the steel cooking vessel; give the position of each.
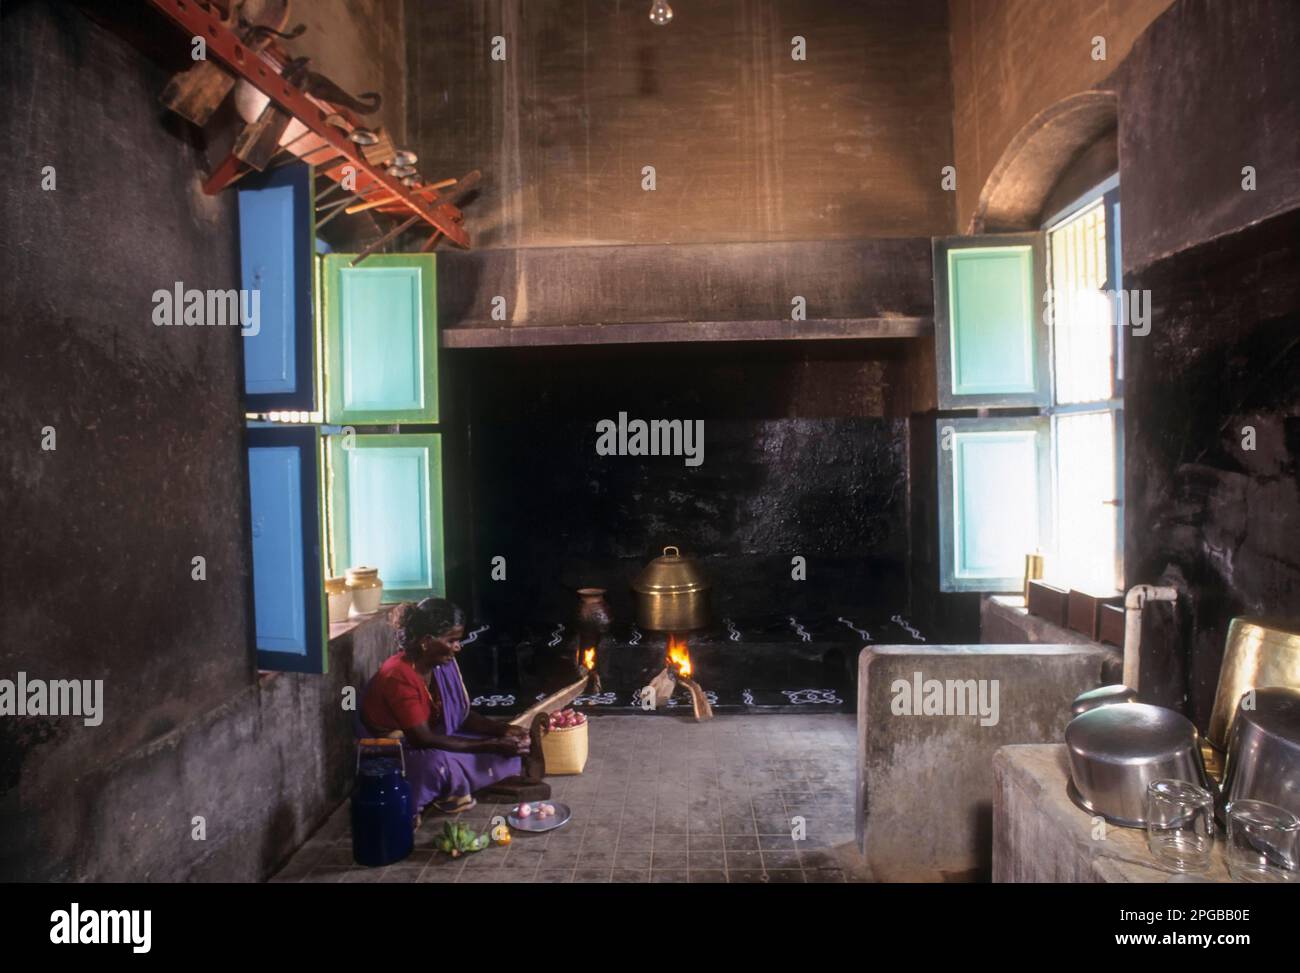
(1263, 762)
(1116, 751)
(1102, 696)
(672, 594)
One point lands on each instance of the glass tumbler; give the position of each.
(1180, 824)
(1263, 842)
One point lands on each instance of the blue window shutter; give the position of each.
(276, 230)
(386, 510)
(991, 341)
(994, 500)
(381, 339)
(284, 517)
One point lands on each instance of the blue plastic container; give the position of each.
(382, 825)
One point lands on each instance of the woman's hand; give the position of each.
(510, 745)
(510, 730)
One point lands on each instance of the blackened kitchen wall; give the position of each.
(1207, 90)
(147, 473)
(805, 454)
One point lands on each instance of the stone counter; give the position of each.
(1040, 836)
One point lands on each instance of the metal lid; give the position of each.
(1102, 696)
(671, 574)
(1132, 734)
(379, 767)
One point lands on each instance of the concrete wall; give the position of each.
(748, 144)
(1015, 58)
(1217, 520)
(361, 46)
(925, 782)
(148, 473)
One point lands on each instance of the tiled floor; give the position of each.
(662, 799)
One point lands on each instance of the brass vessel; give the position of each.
(672, 594)
(1260, 652)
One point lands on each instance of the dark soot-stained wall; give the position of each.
(1219, 521)
(1208, 89)
(801, 457)
(148, 471)
(747, 143)
(147, 474)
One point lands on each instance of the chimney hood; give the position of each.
(555, 296)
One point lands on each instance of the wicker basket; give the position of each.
(565, 749)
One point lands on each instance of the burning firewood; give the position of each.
(699, 702)
(678, 672)
(663, 685)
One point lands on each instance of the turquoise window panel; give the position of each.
(275, 257)
(994, 500)
(381, 340)
(991, 337)
(284, 517)
(386, 510)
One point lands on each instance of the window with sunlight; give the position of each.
(1085, 410)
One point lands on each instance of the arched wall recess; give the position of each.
(1012, 197)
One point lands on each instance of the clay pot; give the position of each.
(594, 617)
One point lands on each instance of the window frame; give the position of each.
(1107, 192)
(973, 413)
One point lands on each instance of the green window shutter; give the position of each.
(381, 339)
(991, 342)
(994, 500)
(385, 510)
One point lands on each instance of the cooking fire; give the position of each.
(678, 655)
(676, 672)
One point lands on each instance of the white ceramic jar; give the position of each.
(340, 598)
(367, 588)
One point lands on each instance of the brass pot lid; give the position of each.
(671, 573)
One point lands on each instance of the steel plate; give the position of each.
(534, 824)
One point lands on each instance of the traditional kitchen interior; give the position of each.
(863, 438)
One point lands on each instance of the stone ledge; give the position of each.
(1040, 836)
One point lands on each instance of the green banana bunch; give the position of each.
(458, 839)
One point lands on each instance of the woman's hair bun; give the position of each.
(432, 616)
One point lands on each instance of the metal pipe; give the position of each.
(1134, 602)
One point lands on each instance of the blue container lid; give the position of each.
(380, 767)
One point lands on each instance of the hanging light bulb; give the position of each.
(660, 13)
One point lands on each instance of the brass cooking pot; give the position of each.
(672, 594)
(1260, 652)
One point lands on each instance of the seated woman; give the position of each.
(451, 751)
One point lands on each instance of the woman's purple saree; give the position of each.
(436, 775)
